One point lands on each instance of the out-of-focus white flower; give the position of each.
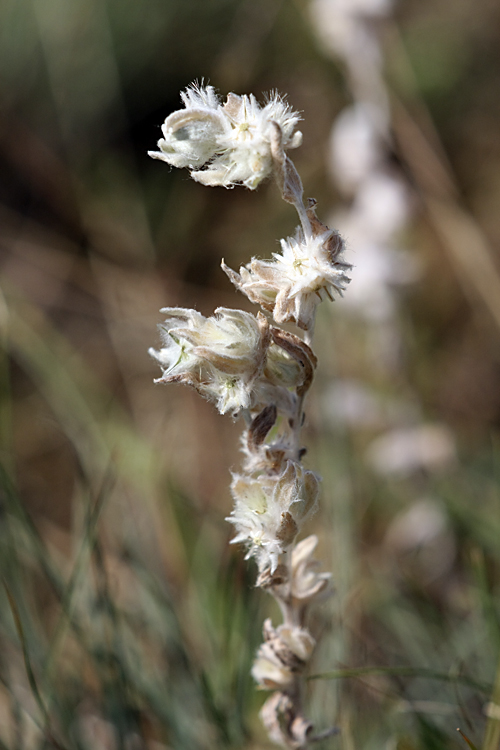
(226, 144)
(338, 22)
(346, 402)
(417, 525)
(428, 447)
(269, 511)
(293, 283)
(351, 403)
(354, 150)
(422, 540)
(382, 270)
(220, 356)
(381, 206)
(378, 213)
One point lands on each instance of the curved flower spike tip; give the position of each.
(226, 144)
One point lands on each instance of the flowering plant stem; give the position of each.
(249, 366)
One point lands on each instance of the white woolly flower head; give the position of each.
(220, 356)
(293, 283)
(269, 511)
(310, 272)
(226, 144)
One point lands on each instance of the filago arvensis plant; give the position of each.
(249, 366)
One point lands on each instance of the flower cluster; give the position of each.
(269, 511)
(245, 364)
(230, 358)
(292, 283)
(226, 144)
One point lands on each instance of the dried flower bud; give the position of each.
(269, 511)
(306, 582)
(231, 141)
(284, 723)
(284, 653)
(220, 356)
(269, 672)
(291, 285)
(260, 426)
(297, 640)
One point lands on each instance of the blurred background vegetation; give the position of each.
(126, 620)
